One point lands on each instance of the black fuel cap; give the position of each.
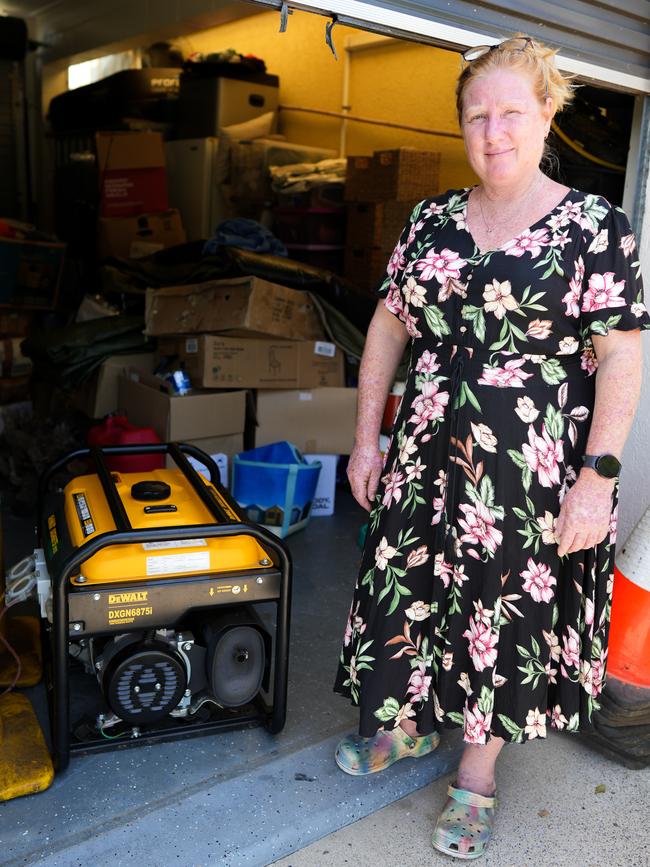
(149, 491)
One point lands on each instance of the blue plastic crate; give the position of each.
(275, 486)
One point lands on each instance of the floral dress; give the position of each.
(463, 613)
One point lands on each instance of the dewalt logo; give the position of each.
(126, 598)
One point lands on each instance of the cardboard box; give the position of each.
(136, 237)
(213, 421)
(319, 421)
(399, 174)
(12, 361)
(242, 305)
(99, 396)
(325, 495)
(132, 173)
(14, 324)
(215, 361)
(30, 273)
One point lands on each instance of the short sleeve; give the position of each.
(612, 288)
(390, 284)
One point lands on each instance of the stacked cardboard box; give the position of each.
(381, 192)
(135, 217)
(249, 334)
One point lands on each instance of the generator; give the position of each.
(150, 587)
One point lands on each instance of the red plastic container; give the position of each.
(116, 430)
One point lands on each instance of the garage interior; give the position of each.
(265, 167)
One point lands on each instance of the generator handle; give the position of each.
(176, 450)
(60, 700)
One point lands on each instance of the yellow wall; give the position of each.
(398, 81)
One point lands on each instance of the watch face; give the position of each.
(608, 466)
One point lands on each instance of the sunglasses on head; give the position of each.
(519, 43)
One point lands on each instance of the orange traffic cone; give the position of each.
(628, 658)
(622, 723)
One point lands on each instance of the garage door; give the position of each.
(604, 42)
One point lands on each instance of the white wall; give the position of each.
(635, 477)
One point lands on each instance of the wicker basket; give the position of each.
(401, 174)
(377, 224)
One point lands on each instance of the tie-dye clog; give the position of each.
(464, 827)
(358, 756)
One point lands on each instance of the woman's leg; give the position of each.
(476, 769)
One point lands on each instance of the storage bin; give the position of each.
(275, 486)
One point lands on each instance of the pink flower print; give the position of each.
(527, 242)
(498, 298)
(484, 437)
(603, 292)
(407, 448)
(543, 456)
(383, 553)
(355, 624)
(588, 361)
(411, 324)
(571, 648)
(476, 725)
(561, 239)
(538, 581)
(417, 557)
(447, 660)
(428, 406)
(628, 245)
(550, 672)
(482, 645)
(394, 302)
(572, 299)
(479, 528)
(439, 508)
(482, 614)
(427, 363)
(569, 211)
(414, 294)
(440, 266)
(508, 376)
(464, 683)
(419, 684)
(553, 644)
(414, 471)
(397, 260)
(443, 570)
(415, 228)
(459, 219)
(591, 677)
(558, 720)
(459, 575)
(418, 611)
(539, 329)
(535, 724)
(434, 210)
(393, 487)
(638, 309)
(568, 346)
(599, 243)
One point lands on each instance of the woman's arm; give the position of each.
(585, 514)
(382, 354)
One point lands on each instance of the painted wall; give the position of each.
(416, 85)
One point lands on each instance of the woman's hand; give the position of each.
(364, 471)
(585, 515)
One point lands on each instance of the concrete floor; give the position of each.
(549, 816)
(249, 798)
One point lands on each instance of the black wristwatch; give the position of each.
(607, 466)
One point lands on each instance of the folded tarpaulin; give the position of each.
(68, 356)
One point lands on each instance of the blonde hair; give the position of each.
(535, 59)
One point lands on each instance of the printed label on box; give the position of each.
(322, 348)
(183, 543)
(305, 395)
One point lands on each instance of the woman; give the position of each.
(484, 594)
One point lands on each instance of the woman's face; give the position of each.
(504, 126)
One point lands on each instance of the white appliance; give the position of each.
(192, 180)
